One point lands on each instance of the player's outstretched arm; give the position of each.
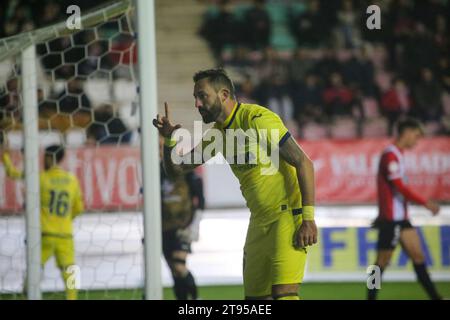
(291, 152)
(11, 170)
(415, 197)
(166, 129)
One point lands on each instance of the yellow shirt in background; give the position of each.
(61, 198)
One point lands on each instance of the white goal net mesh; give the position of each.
(87, 100)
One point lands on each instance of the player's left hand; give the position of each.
(306, 234)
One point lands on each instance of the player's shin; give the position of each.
(185, 287)
(71, 290)
(372, 292)
(425, 281)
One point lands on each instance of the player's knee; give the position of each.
(383, 261)
(418, 258)
(178, 269)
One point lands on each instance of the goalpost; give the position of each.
(28, 104)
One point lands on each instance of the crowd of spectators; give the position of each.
(18, 16)
(338, 79)
(339, 72)
(106, 52)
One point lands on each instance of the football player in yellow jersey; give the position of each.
(61, 202)
(281, 200)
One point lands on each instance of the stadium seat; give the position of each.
(15, 140)
(374, 128)
(129, 113)
(383, 80)
(446, 103)
(343, 128)
(314, 131)
(292, 126)
(370, 108)
(124, 91)
(58, 86)
(75, 138)
(98, 91)
(432, 128)
(47, 138)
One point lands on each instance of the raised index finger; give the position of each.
(166, 109)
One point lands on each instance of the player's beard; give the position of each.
(211, 114)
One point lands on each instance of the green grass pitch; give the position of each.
(308, 291)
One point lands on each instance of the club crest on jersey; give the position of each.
(394, 167)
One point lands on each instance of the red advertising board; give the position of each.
(346, 170)
(110, 177)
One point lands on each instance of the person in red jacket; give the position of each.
(393, 195)
(396, 102)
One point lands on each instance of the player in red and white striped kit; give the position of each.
(393, 194)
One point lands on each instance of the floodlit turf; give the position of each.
(309, 291)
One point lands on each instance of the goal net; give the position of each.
(87, 92)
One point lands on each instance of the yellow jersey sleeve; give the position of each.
(211, 142)
(11, 170)
(269, 126)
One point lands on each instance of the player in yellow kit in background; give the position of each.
(61, 202)
(281, 201)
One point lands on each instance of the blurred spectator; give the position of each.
(107, 127)
(9, 99)
(220, 30)
(427, 94)
(257, 26)
(395, 103)
(403, 18)
(308, 101)
(441, 35)
(57, 51)
(73, 98)
(19, 20)
(97, 59)
(273, 90)
(426, 12)
(123, 56)
(309, 28)
(300, 66)
(338, 97)
(419, 52)
(240, 62)
(327, 64)
(358, 72)
(444, 73)
(347, 30)
(51, 13)
(245, 90)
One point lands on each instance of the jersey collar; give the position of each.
(228, 121)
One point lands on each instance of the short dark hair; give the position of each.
(409, 123)
(56, 152)
(218, 78)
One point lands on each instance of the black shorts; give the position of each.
(173, 240)
(389, 232)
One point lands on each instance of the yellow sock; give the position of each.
(71, 294)
(288, 298)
